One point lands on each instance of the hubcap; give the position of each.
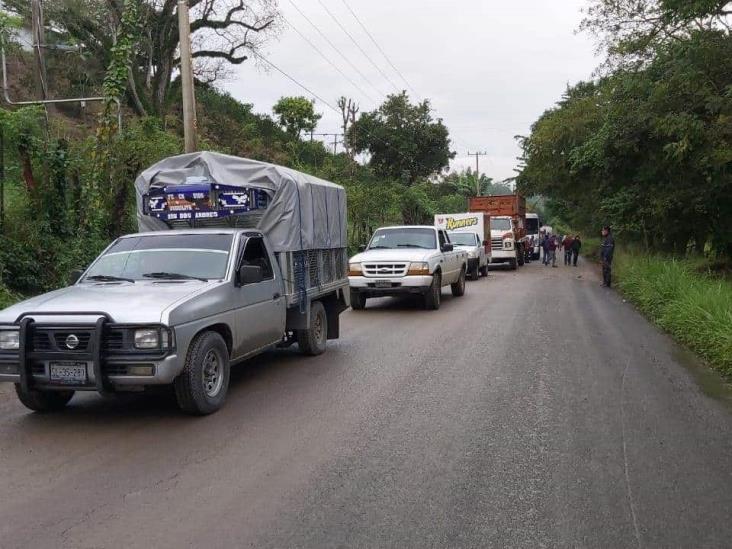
(213, 375)
(318, 329)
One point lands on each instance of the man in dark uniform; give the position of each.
(607, 248)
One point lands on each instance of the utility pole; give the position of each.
(186, 77)
(477, 169)
(335, 138)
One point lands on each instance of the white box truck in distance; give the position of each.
(468, 231)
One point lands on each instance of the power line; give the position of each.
(366, 55)
(335, 48)
(283, 73)
(318, 50)
(380, 49)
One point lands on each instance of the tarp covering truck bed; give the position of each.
(204, 189)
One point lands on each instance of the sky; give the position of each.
(490, 68)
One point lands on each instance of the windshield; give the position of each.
(532, 225)
(404, 238)
(202, 256)
(463, 239)
(500, 224)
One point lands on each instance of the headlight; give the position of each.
(9, 340)
(354, 269)
(147, 339)
(419, 269)
(508, 244)
(472, 255)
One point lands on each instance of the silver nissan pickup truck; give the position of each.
(234, 257)
(158, 308)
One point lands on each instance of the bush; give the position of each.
(695, 308)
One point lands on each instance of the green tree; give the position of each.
(648, 150)
(403, 139)
(223, 32)
(296, 115)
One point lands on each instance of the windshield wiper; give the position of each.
(413, 246)
(381, 248)
(174, 276)
(108, 278)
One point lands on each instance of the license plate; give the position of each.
(383, 283)
(68, 373)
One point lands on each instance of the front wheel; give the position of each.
(434, 294)
(313, 340)
(474, 272)
(43, 401)
(513, 264)
(458, 288)
(358, 301)
(201, 387)
(520, 257)
(484, 271)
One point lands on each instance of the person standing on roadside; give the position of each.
(544, 243)
(607, 249)
(552, 247)
(576, 247)
(567, 246)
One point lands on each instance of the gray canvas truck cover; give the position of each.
(304, 212)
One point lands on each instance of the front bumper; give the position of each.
(164, 372)
(377, 287)
(502, 256)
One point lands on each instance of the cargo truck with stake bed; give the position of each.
(508, 226)
(234, 257)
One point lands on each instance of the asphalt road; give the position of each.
(537, 411)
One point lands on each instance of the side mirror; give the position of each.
(447, 247)
(74, 276)
(249, 274)
(362, 248)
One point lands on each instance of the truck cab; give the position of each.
(505, 248)
(416, 260)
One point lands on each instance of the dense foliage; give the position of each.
(403, 139)
(646, 148)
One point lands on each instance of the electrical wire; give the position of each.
(366, 55)
(380, 49)
(330, 62)
(283, 73)
(338, 51)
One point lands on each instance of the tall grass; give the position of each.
(695, 308)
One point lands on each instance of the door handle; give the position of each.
(276, 296)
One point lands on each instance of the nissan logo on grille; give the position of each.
(72, 342)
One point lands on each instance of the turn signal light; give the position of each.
(418, 269)
(354, 269)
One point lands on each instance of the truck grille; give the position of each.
(375, 270)
(496, 244)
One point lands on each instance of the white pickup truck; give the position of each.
(407, 260)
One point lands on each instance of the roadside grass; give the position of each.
(693, 306)
(591, 248)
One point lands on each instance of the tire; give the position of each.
(313, 341)
(520, 259)
(201, 387)
(513, 264)
(43, 401)
(483, 271)
(434, 295)
(458, 288)
(474, 274)
(358, 301)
